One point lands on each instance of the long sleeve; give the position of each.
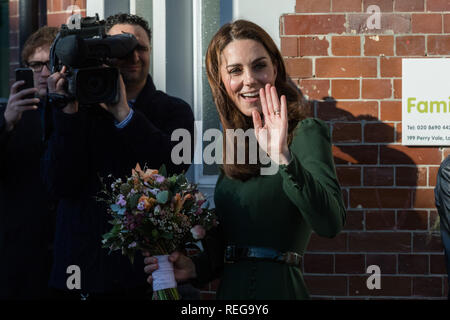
(4, 136)
(152, 145)
(310, 182)
(64, 165)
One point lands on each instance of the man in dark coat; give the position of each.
(442, 198)
(90, 142)
(26, 212)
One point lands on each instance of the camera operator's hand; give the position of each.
(57, 84)
(17, 104)
(120, 110)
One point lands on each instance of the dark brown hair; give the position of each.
(41, 38)
(230, 116)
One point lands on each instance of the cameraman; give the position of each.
(27, 213)
(90, 142)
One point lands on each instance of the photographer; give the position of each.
(92, 142)
(27, 213)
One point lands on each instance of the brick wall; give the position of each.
(354, 74)
(57, 14)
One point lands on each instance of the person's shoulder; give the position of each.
(444, 170)
(173, 101)
(312, 126)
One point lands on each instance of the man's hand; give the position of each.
(120, 110)
(56, 84)
(17, 104)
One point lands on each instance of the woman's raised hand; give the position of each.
(272, 137)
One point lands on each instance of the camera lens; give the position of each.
(95, 85)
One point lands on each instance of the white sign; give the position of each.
(426, 102)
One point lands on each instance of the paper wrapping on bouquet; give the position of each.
(163, 277)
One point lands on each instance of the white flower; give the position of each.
(198, 232)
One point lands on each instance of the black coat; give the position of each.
(442, 193)
(27, 214)
(86, 146)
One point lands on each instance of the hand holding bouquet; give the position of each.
(156, 214)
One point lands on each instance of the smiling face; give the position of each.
(135, 67)
(41, 54)
(246, 67)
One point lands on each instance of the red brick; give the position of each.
(345, 89)
(432, 175)
(357, 154)
(385, 5)
(318, 263)
(410, 46)
(395, 154)
(14, 23)
(315, 89)
(347, 132)
(380, 198)
(346, 45)
(437, 264)
(427, 242)
(424, 198)
(379, 241)
(299, 68)
(397, 88)
(412, 264)
(13, 8)
(314, 24)
(398, 132)
(346, 67)
(412, 220)
(348, 110)
(426, 23)
(326, 285)
(380, 220)
(409, 5)
(349, 176)
(350, 263)
(379, 132)
(376, 89)
(13, 39)
(379, 45)
(378, 176)
(411, 176)
(438, 5)
(313, 6)
(386, 262)
(317, 243)
(427, 286)
(390, 286)
(313, 46)
(438, 45)
(391, 110)
(354, 220)
(390, 23)
(79, 3)
(346, 5)
(446, 23)
(289, 46)
(390, 67)
(56, 19)
(56, 5)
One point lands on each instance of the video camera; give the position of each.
(85, 51)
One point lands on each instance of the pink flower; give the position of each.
(198, 232)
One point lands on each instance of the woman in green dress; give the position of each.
(265, 219)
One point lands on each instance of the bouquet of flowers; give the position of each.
(159, 214)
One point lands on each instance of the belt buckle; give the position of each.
(230, 254)
(292, 258)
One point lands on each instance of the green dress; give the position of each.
(278, 211)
